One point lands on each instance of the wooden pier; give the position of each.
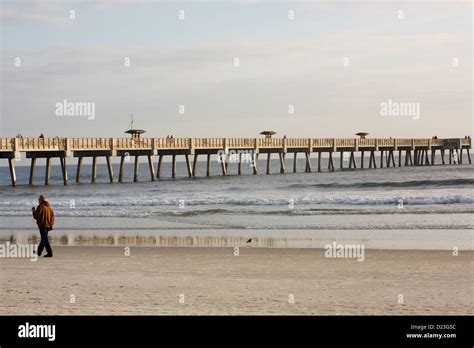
(409, 152)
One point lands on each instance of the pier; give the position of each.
(408, 152)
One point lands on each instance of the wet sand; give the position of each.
(162, 280)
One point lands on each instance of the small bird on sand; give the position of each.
(249, 240)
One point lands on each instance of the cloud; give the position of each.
(54, 14)
(213, 60)
(273, 72)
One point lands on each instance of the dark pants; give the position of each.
(44, 241)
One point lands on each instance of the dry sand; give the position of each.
(214, 281)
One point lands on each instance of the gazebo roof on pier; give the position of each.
(268, 133)
(362, 134)
(135, 131)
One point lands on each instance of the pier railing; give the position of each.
(323, 142)
(39, 144)
(139, 144)
(90, 144)
(85, 144)
(7, 144)
(269, 142)
(240, 142)
(367, 142)
(385, 142)
(404, 142)
(208, 143)
(171, 143)
(297, 142)
(345, 142)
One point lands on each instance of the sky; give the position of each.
(333, 64)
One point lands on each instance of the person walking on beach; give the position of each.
(44, 216)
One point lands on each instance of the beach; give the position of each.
(259, 281)
(182, 236)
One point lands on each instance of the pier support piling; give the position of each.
(294, 161)
(11, 165)
(282, 163)
(268, 163)
(47, 175)
(352, 162)
(208, 169)
(110, 169)
(330, 162)
(64, 169)
(391, 158)
(121, 169)
(94, 169)
(372, 160)
(223, 166)
(308, 162)
(195, 160)
(158, 169)
(32, 171)
(173, 167)
(136, 169)
(239, 170)
(150, 167)
(188, 166)
(255, 163)
(79, 169)
(408, 158)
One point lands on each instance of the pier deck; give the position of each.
(244, 149)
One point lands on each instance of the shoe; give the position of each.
(48, 255)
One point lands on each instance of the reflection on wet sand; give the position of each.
(172, 241)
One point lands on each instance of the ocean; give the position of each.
(391, 208)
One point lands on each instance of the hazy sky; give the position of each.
(422, 54)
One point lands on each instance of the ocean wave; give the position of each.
(319, 227)
(94, 203)
(298, 211)
(387, 184)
